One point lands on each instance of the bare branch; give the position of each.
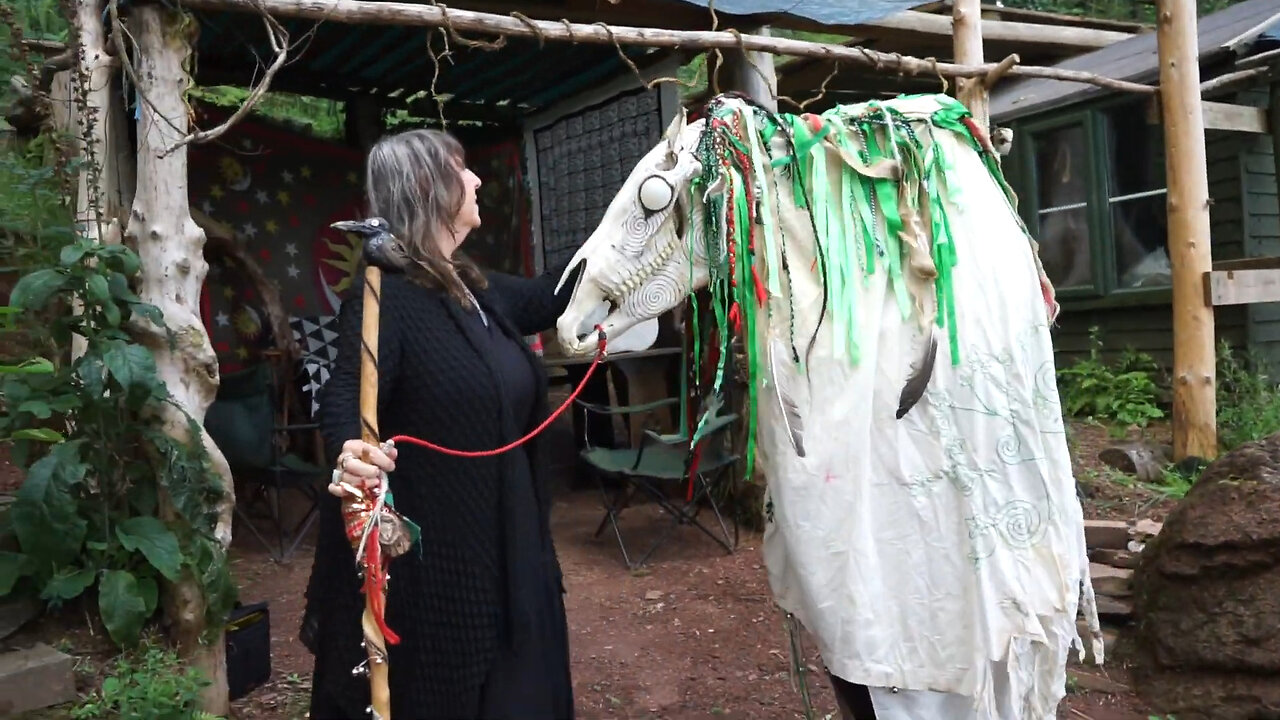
(279, 38)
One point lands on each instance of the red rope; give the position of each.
(533, 433)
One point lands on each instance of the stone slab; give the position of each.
(34, 678)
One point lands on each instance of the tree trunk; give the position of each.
(1195, 426)
(170, 245)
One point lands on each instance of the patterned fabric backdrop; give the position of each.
(280, 190)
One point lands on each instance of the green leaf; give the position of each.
(12, 567)
(33, 290)
(130, 365)
(34, 366)
(39, 434)
(96, 289)
(120, 289)
(122, 605)
(67, 585)
(72, 254)
(111, 313)
(150, 593)
(39, 408)
(150, 537)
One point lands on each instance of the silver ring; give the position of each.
(342, 461)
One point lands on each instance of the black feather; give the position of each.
(918, 380)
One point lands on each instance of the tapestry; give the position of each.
(280, 190)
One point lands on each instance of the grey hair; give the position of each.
(414, 181)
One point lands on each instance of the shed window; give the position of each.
(1062, 199)
(1093, 191)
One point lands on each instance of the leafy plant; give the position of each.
(150, 684)
(88, 514)
(1123, 392)
(1248, 400)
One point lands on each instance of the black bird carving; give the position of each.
(381, 248)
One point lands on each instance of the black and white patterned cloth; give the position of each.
(317, 335)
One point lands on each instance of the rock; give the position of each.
(1110, 581)
(1114, 608)
(1112, 534)
(16, 611)
(1207, 594)
(1115, 558)
(1145, 529)
(34, 678)
(1146, 462)
(653, 595)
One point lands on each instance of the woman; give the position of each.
(478, 606)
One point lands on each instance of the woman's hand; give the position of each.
(361, 466)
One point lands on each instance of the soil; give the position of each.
(693, 635)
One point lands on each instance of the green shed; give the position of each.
(1088, 166)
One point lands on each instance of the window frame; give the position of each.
(1104, 290)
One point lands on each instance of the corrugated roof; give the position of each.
(334, 59)
(1134, 59)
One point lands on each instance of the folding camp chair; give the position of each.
(242, 421)
(659, 465)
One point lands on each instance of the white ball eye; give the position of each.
(655, 194)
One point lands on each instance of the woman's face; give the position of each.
(468, 217)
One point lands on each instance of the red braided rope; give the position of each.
(600, 349)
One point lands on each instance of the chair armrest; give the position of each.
(627, 409)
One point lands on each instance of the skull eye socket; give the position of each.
(655, 194)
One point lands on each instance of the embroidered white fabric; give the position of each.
(940, 558)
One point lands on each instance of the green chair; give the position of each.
(242, 421)
(660, 465)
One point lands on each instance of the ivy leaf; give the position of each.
(122, 606)
(130, 365)
(150, 537)
(66, 585)
(12, 567)
(34, 289)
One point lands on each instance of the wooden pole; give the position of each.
(751, 73)
(374, 643)
(1195, 428)
(367, 12)
(966, 19)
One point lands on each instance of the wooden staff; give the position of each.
(374, 642)
(373, 526)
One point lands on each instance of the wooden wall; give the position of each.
(1260, 214)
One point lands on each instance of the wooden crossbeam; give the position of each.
(1221, 116)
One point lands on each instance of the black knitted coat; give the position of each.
(449, 599)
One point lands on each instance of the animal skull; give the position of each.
(637, 261)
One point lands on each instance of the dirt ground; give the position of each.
(694, 635)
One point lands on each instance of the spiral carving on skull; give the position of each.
(637, 229)
(663, 291)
